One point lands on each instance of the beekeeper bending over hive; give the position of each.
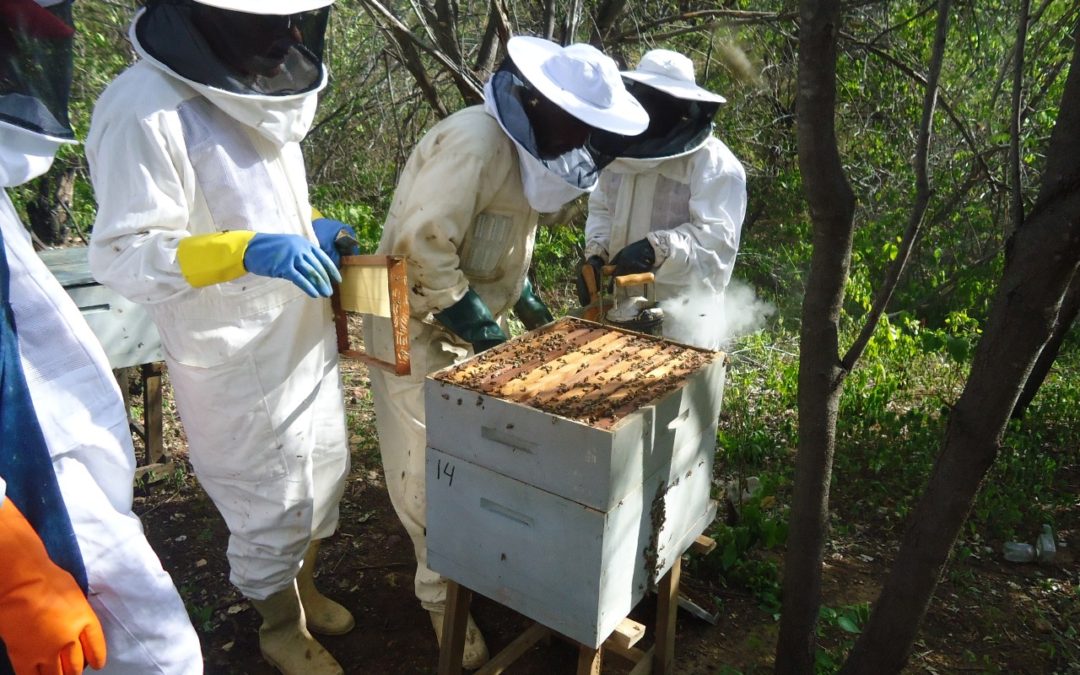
(672, 203)
(204, 218)
(465, 214)
(79, 583)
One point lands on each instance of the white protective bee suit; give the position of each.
(689, 204)
(465, 214)
(79, 408)
(253, 361)
(82, 416)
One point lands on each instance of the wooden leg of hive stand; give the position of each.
(667, 592)
(521, 644)
(152, 422)
(455, 621)
(588, 660)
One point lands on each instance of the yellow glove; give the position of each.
(208, 259)
(46, 623)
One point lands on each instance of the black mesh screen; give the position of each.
(35, 66)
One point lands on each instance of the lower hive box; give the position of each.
(568, 468)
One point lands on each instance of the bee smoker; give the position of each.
(637, 313)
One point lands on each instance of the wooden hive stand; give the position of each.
(657, 660)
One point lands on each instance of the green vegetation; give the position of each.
(896, 402)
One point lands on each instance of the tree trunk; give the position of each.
(606, 15)
(1044, 260)
(820, 377)
(1070, 307)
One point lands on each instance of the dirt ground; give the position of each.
(989, 616)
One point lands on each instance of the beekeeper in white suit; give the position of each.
(204, 218)
(465, 214)
(66, 457)
(673, 201)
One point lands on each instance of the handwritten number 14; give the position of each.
(444, 471)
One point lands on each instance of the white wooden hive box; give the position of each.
(124, 328)
(568, 468)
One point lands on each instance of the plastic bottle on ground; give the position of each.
(1045, 548)
(1019, 552)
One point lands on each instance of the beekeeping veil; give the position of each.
(582, 82)
(680, 112)
(270, 48)
(35, 79)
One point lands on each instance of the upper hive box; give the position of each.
(569, 467)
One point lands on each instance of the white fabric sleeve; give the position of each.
(137, 168)
(3, 489)
(449, 188)
(598, 222)
(705, 248)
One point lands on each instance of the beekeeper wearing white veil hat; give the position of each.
(204, 218)
(465, 214)
(79, 583)
(673, 201)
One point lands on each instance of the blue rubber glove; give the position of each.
(294, 258)
(635, 258)
(327, 231)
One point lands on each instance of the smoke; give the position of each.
(697, 317)
(744, 311)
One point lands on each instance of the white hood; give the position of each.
(545, 190)
(25, 155)
(281, 119)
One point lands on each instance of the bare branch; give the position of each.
(922, 192)
(1016, 193)
(409, 57)
(446, 31)
(604, 21)
(397, 121)
(497, 32)
(570, 25)
(720, 17)
(910, 72)
(999, 82)
(408, 44)
(1049, 77)
(914, 17)
(548, 20)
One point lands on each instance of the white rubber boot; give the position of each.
(285, 642)
(476, 651)
(324, 616)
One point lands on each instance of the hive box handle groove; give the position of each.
(503, 438)
(505, 512)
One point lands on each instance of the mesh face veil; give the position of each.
(273, 54)
(676, 126)
(35, 66)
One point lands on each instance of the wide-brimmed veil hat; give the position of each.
(671, 73)
(581, 80)
(276, 7)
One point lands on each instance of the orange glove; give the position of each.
(46, 623)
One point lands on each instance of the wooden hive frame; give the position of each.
(360, 273)
(594, 373)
